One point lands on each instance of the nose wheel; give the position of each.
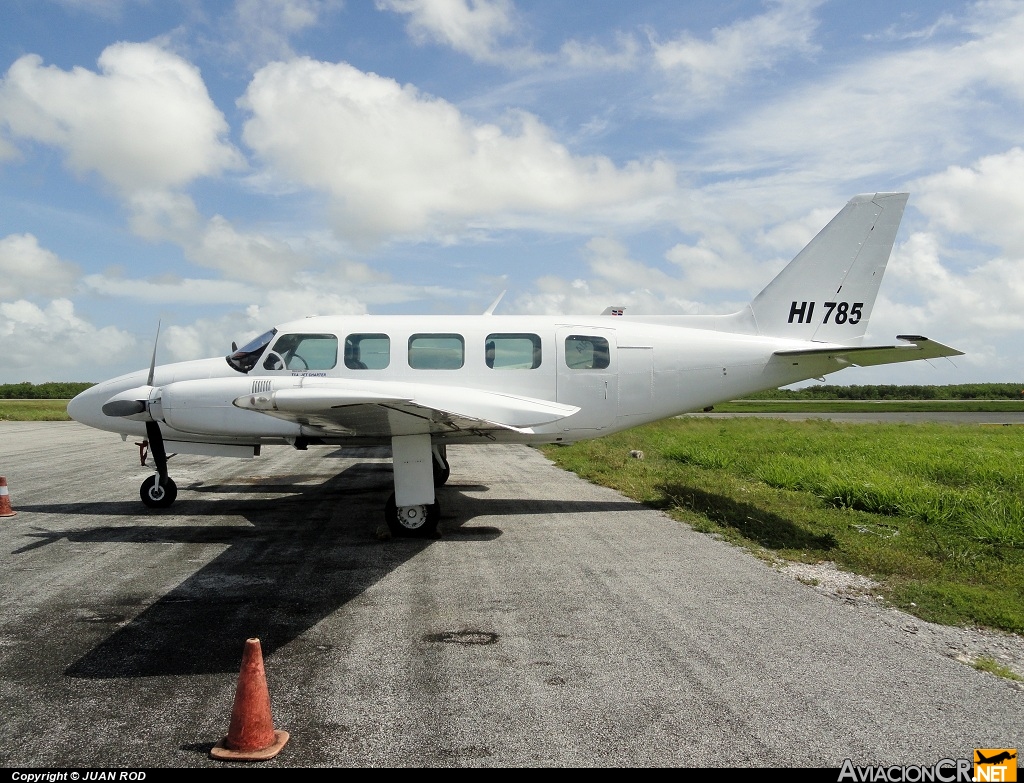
(412, 521)
(158, 494)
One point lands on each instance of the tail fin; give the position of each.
(827, 292)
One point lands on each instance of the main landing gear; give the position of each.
(413, 483)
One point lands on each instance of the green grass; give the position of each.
(34, 410)
(993, 666)
(933, 512)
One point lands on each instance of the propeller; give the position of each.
(135, 403)
(153, 433)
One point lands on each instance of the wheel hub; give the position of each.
(412, 517)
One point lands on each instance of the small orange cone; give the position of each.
(251, 735)
(5, 500)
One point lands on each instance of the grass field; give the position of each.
(34, 410)
(934, 513)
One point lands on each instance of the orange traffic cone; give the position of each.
(251, 735)
(5, 500)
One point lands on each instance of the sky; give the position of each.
(220, 167)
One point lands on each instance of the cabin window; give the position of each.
(302, 352)
(585, 352)
(367, 351)
(512, 351)
(436, 351)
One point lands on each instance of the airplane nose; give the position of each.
(85, 407)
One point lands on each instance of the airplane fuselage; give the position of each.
(618, 371)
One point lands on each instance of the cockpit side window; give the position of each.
(301, 352)
(245, 358)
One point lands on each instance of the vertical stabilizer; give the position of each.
(827, 292)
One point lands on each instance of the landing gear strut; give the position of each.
(419, 467)
(158, 491)
(442, 470)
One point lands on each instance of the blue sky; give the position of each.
(224, 166)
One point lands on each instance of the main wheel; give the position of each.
(157, 495)
(412, 521)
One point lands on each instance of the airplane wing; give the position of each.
(913, 347)
(337, 408)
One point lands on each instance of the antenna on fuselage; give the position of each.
(494, 304)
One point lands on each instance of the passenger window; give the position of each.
(583, 352)
(512, 351)
(436, 351)
(367, 351)
(301, 352)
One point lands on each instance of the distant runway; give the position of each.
(913, 417)
(554, 624)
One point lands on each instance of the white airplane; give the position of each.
(419, 383)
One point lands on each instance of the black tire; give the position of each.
(156, 495)
(423, 525)
(441, 472)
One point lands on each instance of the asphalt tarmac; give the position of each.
(553, 624)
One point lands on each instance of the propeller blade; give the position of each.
(152, 363)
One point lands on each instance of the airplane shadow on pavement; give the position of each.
(301, 557)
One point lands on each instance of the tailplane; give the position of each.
(827, 292)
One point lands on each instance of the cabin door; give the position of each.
(587, 376)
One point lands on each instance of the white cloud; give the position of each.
(985, 200)
(213, 336)
(214, 243)
(27, 269)
(473, 27)
(890, 115)
(190, 291)
(751, 44)
(616, 279)
(591, 56)
(395, 161)
(144, 120)
(261, 30)
(51, 343)
(7, 150)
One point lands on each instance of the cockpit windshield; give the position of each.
(245, 358)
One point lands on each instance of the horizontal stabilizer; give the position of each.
(913, 348)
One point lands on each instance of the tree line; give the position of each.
(52, 390)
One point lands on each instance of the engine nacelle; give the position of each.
(205, 407)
